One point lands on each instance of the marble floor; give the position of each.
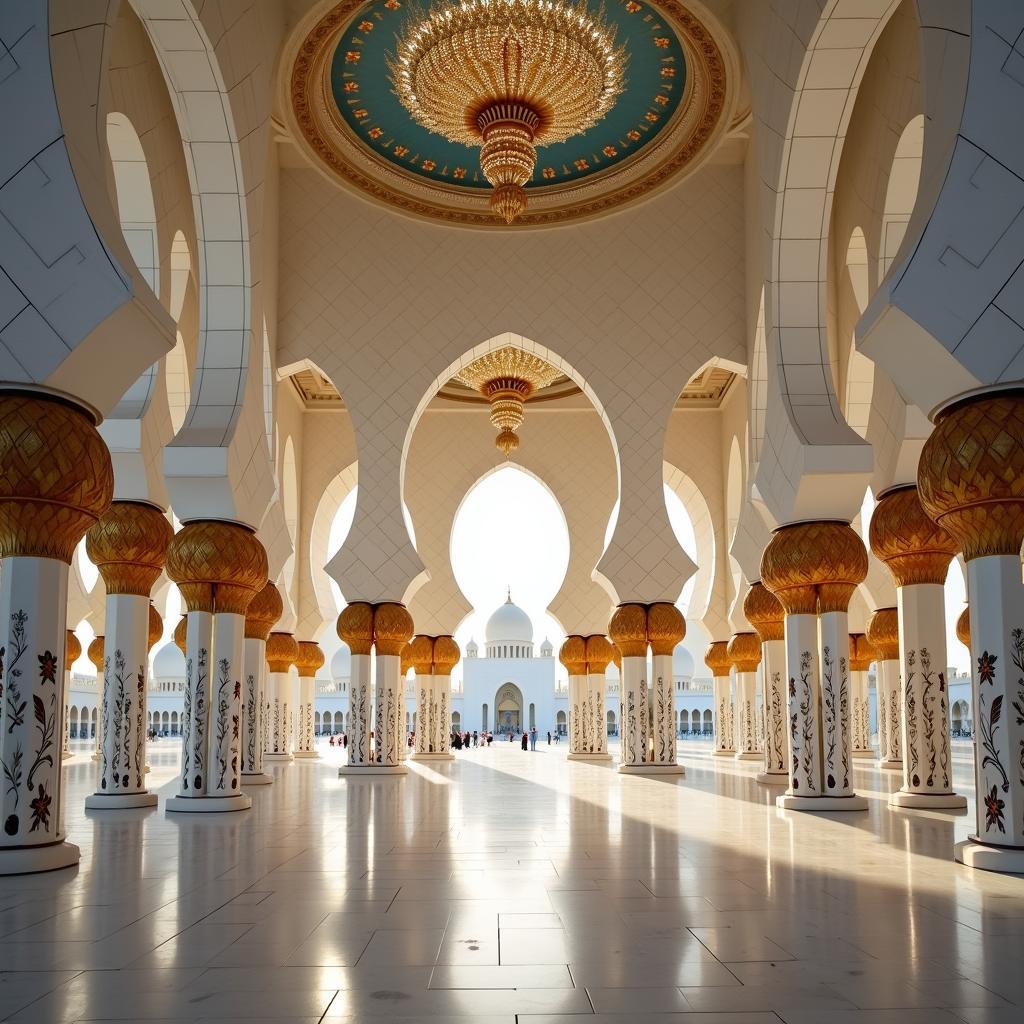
(512, 886)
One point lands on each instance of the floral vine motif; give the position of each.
(120, 711)
(186, 728)
(994, 810)
(844, 717)
(928, 701)
(807, 729)
(776, 724)
(910, 704)
(277, 726)
(444, 729)
(140, 683)
(40, 807)
(748, 726)
(989, 716)
(894, 726)
(830, 715)
(631, 726)
(643, 719)
(250, 722)
(1017, 656)
(199, 720)
(223, 706)
(46, 724)
(943, 719)
(14, 711)
(664, 721)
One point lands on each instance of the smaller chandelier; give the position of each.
(508, 76)
(507, 377)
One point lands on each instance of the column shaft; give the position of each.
(279, 688)
(927, 767)
(253, 712)
(65, 751)
(599, 716)
(835, 704)
(802, 667)
(746, 716)
(443, 721)
(578, 725)
(390, 704)
(33, 613)
(635, 728)
(890, 724)
(773, 664)
(860, 714)
(663, 696)
(425, 717)
(122, 756)
(226, 705)
(195, 716)
(360, 706)
(725, 743)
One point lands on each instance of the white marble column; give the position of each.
(599, 657)
(717, 659)
(918, 552)
(433, 659)
(96, 653)
(627, 629)
(282, 653)
(763, 611)
(310, 659)
(446, 657)
(813, 569)
(261, 616)
(861, 656)
(884, 636)
(355, 628)
(573, 656)
(745, 656)
(72, 652)
(392, 630)
(665, 631)
(219, 568)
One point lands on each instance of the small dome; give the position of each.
(168, 663)
(472, 650)
(682, 663)
(509, 624)
(546, 650)
(341, 663)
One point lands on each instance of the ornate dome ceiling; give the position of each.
(347, 115)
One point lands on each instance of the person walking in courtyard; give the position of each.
(549, 737)
(533, 738)
(526, 739)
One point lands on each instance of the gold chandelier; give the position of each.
(507, 377)
(508, 76)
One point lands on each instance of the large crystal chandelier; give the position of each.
(507, 377)
(508, 76)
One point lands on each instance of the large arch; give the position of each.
(701, 605)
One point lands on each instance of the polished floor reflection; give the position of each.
(512, 886)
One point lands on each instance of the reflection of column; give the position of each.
(95, 654)
(282, 653)
(260, 618)
(884, 636)
(917, 552)
(971, 479)
(573, 655)
(665, 630)
(861, 656)
(219, 568)
(745, 656)
(628, 631)
(128, 545)
(309, 660)
(813, 569)
(392, 630)
(57, 481)
(355, 628)
(72, 652)
(599, 657)
(765, 614)
(716, 657)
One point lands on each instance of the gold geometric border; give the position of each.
(585, 199)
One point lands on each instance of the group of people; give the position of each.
(465, 740)
(462, 740)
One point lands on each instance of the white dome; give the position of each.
(168, 663)
(341, 663)
(682, 663)
(509, 624)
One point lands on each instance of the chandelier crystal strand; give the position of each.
(508, 76)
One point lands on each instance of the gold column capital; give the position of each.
(913, 547)
(95, 653)
(156, 627)
(963, 628)
(971, 473)
(446, 654)
(883, 633)
(355, 627)
(573, 655)
(392, 628)
(716, 657)
(627, 629)
(599, 653)
(421, 654)
(218, 566)
(72, 649)
(180, 632)
(57, 476)
(862, 653)
(128, 544)
(282, 652)
(309, 658)
(263, 613)
(764, 612)
(666, 627)
(744, 651)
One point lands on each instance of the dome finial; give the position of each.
(508, 600)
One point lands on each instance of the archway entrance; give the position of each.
(508, 706)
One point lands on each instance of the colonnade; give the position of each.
(433, 658)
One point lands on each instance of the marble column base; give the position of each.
(928, 801)
(973, 854)
(862, 755)
(306, 755)
(258, 779)
(277, 758)
(605, 757)
(32, 859)
(372, 769)
(772, 778)
(723, 753)
(432, 757)
(890, 766)
(113, 801)
(821, 804)
(209, 804)
(652, 769)
(751, 755)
